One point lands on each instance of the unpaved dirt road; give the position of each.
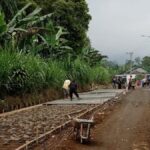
(127, 127)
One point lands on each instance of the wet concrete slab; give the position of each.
(101, 91)
(92, 97)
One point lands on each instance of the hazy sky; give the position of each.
(117, 25)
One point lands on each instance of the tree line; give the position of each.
(44, 42)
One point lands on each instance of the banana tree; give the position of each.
(25, 28)
(23, 25)
(52, 44)
(92, 56)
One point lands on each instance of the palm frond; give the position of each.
(19, 13)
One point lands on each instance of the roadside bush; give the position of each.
(100, 75)
(24, 73)
(55, 74)
(81, 72)
(21, 73)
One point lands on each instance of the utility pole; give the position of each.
(130, 56)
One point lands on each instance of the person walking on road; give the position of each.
(114, 81)
(73, 89)
(130, 83)
(119, 83)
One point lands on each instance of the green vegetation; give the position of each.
(146, 63)
(136, 63)
(42, 43)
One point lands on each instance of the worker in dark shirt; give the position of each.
(119, 83)
(114, 81)
(73, 89)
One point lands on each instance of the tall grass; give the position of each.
(100, 75)
(39, 73)
(25, 73)
(81, 72)
(55, 74)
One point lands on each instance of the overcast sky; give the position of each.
(117, 25)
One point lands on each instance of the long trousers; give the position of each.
(71, 92)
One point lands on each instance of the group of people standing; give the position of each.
(70, 88)
(121, 83)
(130, 82)
(117, 83)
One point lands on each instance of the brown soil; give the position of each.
(17, 102)
(127, 127)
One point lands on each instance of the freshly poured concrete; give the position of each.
(93, 97)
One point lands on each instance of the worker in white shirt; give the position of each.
(66, 88)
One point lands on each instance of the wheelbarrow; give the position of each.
(82, 129)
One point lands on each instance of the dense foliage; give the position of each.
(44, 42)
(146, 63)
(70, 14)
